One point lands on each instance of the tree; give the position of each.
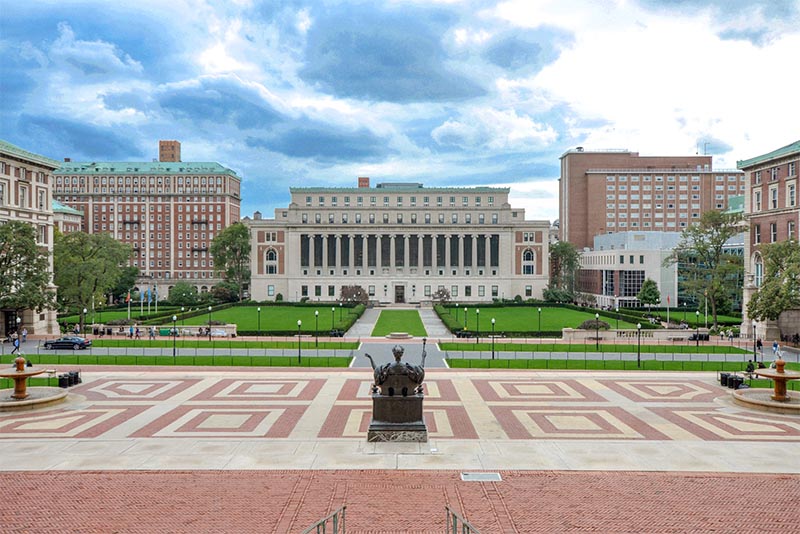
(183, 294)
(780, 289)
(564, 265)
(231, 252)
(441, 296)
(225, 292)
(87, 266)
(126, 281)
(24, 268)
(707, 270)
(649, 293)
(354, 294)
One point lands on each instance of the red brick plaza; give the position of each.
(188, 450)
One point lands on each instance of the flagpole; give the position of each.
(129, 304)
(667, 311)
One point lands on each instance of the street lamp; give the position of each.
(333, 316)
(617, 308)
(183, 319)
(697, 327)
(493, 338)
(477, 325)
(209, 323)
(83, 320)
(340, 312)
(259, 320)
(299, 324)
(540, 323)
(638, 344)
(456, 311)
(684, 312)
(174, 336)
(316, 328)
(755, 348)
(465, 318)
(597, 331)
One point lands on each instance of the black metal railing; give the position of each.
(457, 524)
(336, 519)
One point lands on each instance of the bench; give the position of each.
(399, 335)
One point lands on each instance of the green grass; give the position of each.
(590, 347)
(203, 343)
(200, 360)
(399, 321)
(275, 318)
(526, 319)
(117, 313)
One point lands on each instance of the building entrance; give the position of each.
(399, 294)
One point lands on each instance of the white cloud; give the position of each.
(492, 129)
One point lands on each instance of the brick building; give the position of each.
(168, 211)
(610, 191)
(773, 214)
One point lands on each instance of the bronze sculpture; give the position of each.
(415, 373)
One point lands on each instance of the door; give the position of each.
(399, 294)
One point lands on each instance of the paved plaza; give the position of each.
(271, 450)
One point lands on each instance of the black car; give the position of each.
(68, 342)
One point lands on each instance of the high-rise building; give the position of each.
(169, 151)
(168, 211)
(609, 191)
(773, 214)
(25, 195)
(401, 243)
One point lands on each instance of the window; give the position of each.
(495, 289)
(303, 291)
(773, 197)
(757, 201)
(773, 174)
(790, 230)
(481, 291)
(453, 291)
(791, 195)
(756, 234)
(773, 232)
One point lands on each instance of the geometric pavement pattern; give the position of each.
(337, 404)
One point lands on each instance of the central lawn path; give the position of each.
(399, 321)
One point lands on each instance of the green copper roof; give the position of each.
(775, 154)
(735, 204)
(398, 188)
(58, 207)
(143, 167)
(36, 158)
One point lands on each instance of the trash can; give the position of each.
(723, 379)
(734, 381)
(109, 331)
(63, 381)
(74, 377)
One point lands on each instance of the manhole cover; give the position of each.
(481, 477)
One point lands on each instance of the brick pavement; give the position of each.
(383, 502)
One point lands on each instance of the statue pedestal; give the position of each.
(397, 419)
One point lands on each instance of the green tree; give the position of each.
(780, 289)
(231, 252)
(564, 265)
(183, 294)
(708, 271)
(24, 268)
(225, 292)
(125, 282)
(649, 293)
(87, 266)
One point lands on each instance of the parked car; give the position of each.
(703, 337)
(219, 333)
(68, 342)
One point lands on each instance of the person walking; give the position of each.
(774, 347)
(15, 342)
(24, 335)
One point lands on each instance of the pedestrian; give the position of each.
(760, 346)
(15, 342)
(774, 347)
(131, 332)
(24, 335)
(138, 334)
(152, 332)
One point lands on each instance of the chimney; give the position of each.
(363, 182)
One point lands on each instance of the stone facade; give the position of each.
(401, 243)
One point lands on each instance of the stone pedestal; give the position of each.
(397, 418)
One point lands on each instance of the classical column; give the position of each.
(312, 251)
(392, 252)
(406, 250)
(420, 252)
(337, 253)
(447, 251)
(488, 250)
(461, 259)
(325, 253)
(474, 256)
(351, 248)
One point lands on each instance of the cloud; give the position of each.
(324, 144)
(392, 55)
(529, 50)
(77, 139)
(90, 58)
(219, 99)
(492, 129)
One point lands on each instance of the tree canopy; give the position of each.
(564, 265)
(183, 294)
(649, 293)
(24, 268)
(708, 271)
(87, 266)
(780, 289)
(231, 252)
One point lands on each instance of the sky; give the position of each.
(446, 93)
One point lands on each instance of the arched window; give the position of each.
(528, 262)
(527, 255)
(758, 269)
(272, 255)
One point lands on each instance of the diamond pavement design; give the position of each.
(713, 425)
(130, 389)
(435, 390)
(234, 421)
(443, 422)
(572, 422)
(535, 390)
(258, 389)
(682, 391)
(88, 423)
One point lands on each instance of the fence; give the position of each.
(456, 523)
(337, 523)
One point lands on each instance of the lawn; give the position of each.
(591, 347)
(275, 318)
(203, 343)
(399, 321)
(526, 319)
(116, 313)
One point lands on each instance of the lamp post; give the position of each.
(19, 335)
(617, 308)
(83, 320)
(259, 320)
(456, 311)
(540, 323)
(316, 328)
(209, 323)
(597, 331)
(493, 338)
(174, 336)
(684, 312)
(755, 348)
(477, 325)
(465, 318)
(183, 319)
(697, 328)
(340, 312)
(705, 298)
(333, 316)
(638, 344)
(299, 324)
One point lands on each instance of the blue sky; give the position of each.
(441, 92)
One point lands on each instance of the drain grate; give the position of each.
(481, 477)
